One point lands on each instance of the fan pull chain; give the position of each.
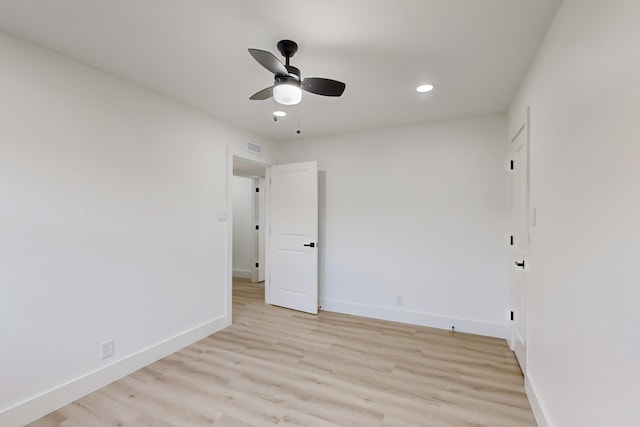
(275, 108)
(298, 131)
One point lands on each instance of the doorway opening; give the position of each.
(288, 207)
(247, 196)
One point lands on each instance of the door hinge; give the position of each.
(257, 265)
(512, 315)
(511, 240)
(512, 164)
(257, 189)
(258, 228)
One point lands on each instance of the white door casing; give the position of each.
(260, 196)
(518, 265)
(293, 270)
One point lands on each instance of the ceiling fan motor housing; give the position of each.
(281, 80)
(293, 70)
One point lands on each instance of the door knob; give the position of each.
(310, 245)
(520, 264)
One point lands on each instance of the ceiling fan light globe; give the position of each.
(287, 94)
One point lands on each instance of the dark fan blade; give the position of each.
(269, 61)
(320, 86)
(265, 93)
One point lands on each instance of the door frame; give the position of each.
(261, 235)
(523, 125)
(228, 217)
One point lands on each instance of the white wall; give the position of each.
(584, 93)
(419, 212)
(244, 222)
(109, 206)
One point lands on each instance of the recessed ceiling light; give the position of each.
(424, 88)
(279, 113)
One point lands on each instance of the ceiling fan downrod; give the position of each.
(287, 48)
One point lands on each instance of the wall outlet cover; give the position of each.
(106, 349)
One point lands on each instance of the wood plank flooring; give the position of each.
(278, 367)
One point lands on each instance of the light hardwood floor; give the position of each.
(277, 367)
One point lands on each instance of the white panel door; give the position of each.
(294, 236)
(520, 241)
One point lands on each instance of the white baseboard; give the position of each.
(242, 274)
(49, 401)
(417, 318)
(536, 406)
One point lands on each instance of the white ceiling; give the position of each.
(475, 52)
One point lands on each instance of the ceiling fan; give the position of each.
(288, 86)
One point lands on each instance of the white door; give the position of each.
(293, 281)
(519, 241)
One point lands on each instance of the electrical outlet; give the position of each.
(106, 349)
(400, 300)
